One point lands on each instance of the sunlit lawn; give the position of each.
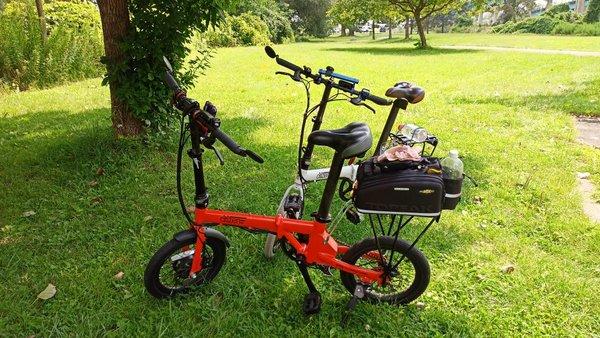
(509, 114)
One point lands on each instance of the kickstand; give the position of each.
(312, 301)
(359, 293)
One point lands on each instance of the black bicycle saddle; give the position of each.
(352, 140)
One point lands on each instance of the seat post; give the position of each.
(332, 179)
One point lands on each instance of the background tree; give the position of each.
(137, 33)
(512, 10)
(40, 12)
(423, 9)
(115, 27)
(383, 11)
(348, 13)
(593, 12)
(309, 17)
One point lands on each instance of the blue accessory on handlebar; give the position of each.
(343, 77)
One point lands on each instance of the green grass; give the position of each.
(558, 42)
(508, 113)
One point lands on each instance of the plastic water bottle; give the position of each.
(452, 166)
(414, 133)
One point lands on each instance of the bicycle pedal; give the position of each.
(312, 303)
(353, 216)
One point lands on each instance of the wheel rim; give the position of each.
(397, 280)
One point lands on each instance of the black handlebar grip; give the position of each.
(379, 100)
(288, 65)
(170, 81)
(228, 142)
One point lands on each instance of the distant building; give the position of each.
(579, 6)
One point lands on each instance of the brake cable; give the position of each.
(182, 141)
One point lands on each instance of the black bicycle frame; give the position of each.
(317, 121)
(201, 196)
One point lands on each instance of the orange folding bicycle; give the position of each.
(382, 268)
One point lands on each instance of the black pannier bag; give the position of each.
(400, 187)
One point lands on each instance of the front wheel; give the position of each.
(167, 273)
(402, 284)
(271, 245)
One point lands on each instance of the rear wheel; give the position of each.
(403, 284)
(167, 273)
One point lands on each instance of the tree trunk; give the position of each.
(343, 30)
(373, 29)
(407, 28)
(115, 26)
(40, 12)
(421, 31)
(390, 29)
(350, 31)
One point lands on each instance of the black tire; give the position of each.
(418, 264)
(213, 259)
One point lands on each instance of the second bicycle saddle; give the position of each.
(405, 90)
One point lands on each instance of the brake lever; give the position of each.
(218, 154)
(368, 107)
(295, 76)
(357, 101)
(209, 143)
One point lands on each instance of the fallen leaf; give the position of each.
(48, 292)
(96, 200)
(190, 209)
(420, 305)
(477, 199)
(481, 278)
(93, 183)
(119, 275)
(367, 327)
(100, 171)
(508, 268)
(147, 218)
(127, 294)
(28, 213)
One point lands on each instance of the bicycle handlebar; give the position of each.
(206, 120)
(365, 95)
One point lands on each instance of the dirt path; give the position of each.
(527, 50)
(588, 130)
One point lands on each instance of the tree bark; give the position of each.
(343, 30)
(390, 29)
(115, 26)
(40, 12)
(373, 29)
(421, 31)
(407, 28)
(350, 31)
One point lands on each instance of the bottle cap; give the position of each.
(454, 153)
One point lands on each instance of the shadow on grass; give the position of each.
(585, 101)
(405, 51)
